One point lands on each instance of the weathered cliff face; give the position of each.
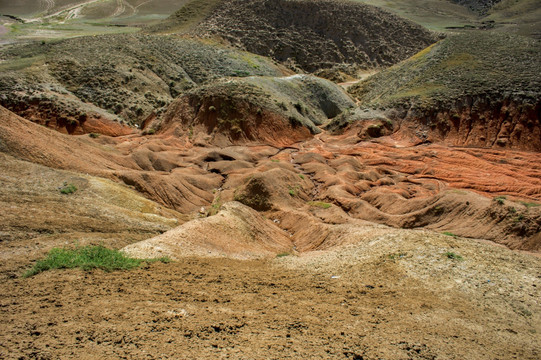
(477, 122)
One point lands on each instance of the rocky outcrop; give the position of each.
(476, 122)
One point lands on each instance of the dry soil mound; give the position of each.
(237, 231)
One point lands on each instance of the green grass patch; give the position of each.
(216, 206)
(68, 189)
(453, 256)
(320, 204)
(449, 234)
(87, 258)
(284, 254)
(529, 204)
(22, 63)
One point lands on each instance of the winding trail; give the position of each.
(49, 5)
(120, 8)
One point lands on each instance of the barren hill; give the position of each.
(309, 34)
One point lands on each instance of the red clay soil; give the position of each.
(385, 180)
(249, 124)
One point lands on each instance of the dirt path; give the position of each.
(49, 5)
(360, 76)
(120, 8)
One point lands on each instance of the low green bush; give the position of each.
(68, 189)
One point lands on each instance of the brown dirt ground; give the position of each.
(355, 303)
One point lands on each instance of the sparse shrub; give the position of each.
(149, 132)
(236, 129)
(212, 108)
(94, 135)
(275, 160)
(299, 108)
(398, 255)
(216, 206)
(451, 255)
(292, 192)
(500, 199)
(87, 258)
(284, 254)
(301, 176)
(68, 189)
(449, 234)
(255, 195)
(388, 123)
(294, 122)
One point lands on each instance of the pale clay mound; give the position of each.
(237, 231)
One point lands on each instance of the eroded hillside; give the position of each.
(479, 89)
(397, 219)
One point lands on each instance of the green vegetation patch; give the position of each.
(68, 189)
(500, 199)
(320, 204)
(284, 254)
(530, 204)
(397, 256)
(87, 258)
